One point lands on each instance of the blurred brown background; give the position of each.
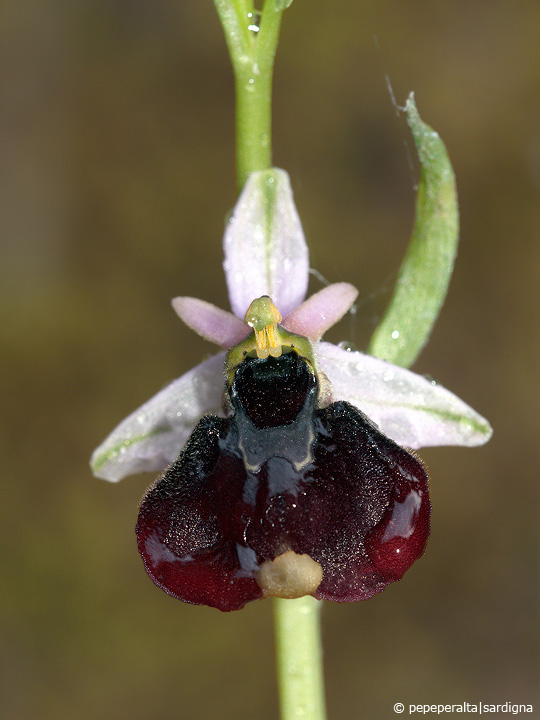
(116, 171)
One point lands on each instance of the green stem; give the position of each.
(252, 55)
(253, 123)
(299, 659)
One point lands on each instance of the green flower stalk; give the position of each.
(252, 38)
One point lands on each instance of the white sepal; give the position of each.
(151, 437)
(264, 245)
(412, 410)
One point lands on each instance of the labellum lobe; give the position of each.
(283, 497)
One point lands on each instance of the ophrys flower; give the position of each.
(285, 486)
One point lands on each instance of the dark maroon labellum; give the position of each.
(283, 498)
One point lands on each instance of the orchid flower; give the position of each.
(367, 410)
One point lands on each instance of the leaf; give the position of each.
(425, 273)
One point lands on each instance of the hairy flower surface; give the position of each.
(295, 480)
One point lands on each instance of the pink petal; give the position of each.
(319, 312)
(212, 323)
(264, 245)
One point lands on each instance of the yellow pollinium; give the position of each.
(263, 316)
(268, 338)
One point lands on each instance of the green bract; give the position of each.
(425, 273)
